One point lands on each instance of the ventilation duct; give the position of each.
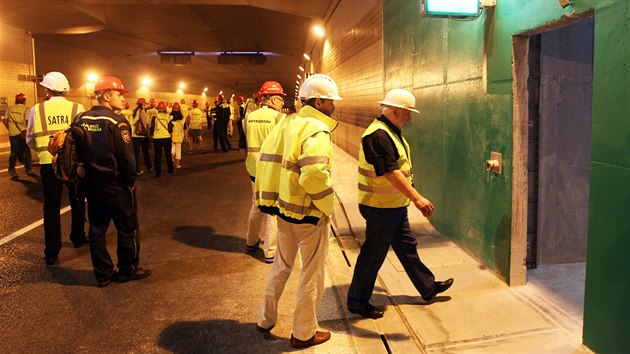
(242, 59)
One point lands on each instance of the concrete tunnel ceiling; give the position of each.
(127, 34)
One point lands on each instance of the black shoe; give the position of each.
(51, 260)
(104, 282)
(138, 273)
(14, 175)
(368, 311)
(252, 248)
(318, 338)
(440, 287)
(264, 330)
(80, 243)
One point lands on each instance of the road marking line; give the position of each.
(30, 227)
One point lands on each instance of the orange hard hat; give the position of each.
(271, 88)
(20, 98)
(110, 83)
(195, 103)
(141, 100)
(161, 106)
(220, 98)
(176, 106)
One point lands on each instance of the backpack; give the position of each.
(139, 128)
(63, 146)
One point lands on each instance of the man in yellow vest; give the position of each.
(293, 182)
(44, 120)
(256, 127)
(15, 122)
(195, 122)
(385, 191)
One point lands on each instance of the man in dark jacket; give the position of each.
(110, 175)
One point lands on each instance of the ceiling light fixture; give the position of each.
(301, 68)
(319, 31)
(307, 57)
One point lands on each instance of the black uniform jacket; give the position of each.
(106, 149)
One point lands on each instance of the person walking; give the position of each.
(15, 122)
(195, 121)
(177, 127)
(109, 183)
(385, 191)
(45, 119)
(293, 182)
(161, 139)
(256, 127)
(223, 114)
(140, 135)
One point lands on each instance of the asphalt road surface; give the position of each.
(202, 297)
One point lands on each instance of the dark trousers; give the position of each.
(141, 143)
(53, 188)
(158, 145)
(117, 203)
(19, 151)
(384, 227)
(221, 136)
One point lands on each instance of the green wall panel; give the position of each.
(466, 114)
(607, 310)
(611, 91)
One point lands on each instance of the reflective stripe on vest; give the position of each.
(280, 180)
(260, 125)
(378, 191)
(61, 114)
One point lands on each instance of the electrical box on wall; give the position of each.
(450, 8)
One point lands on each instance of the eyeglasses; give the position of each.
(280, 98)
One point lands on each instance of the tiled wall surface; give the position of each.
(15, 59)
(354, 59)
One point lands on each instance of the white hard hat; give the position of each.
(319, 86)
(400, 98)
(55, 81)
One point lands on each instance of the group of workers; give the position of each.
(288, 158)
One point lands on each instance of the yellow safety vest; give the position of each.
(178, 130)
(50, 117)
(127, 113)
(16, 119)
(196, 118)
(257, 126)
(161, 126)
(293, 178)
(377, 191)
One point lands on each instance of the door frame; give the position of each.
(520, 118)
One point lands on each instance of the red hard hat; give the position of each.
(110, 83)
(141, 100)
(240, 99)
(20, 98)
(176, 106)
(271, 88)
(220, 98)
(161, 106)
(195, 103)
(152, 102)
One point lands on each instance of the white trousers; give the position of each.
(176, 150)
(256, 220)
(312, 242)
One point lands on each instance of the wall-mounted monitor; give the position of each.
(453, 8)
